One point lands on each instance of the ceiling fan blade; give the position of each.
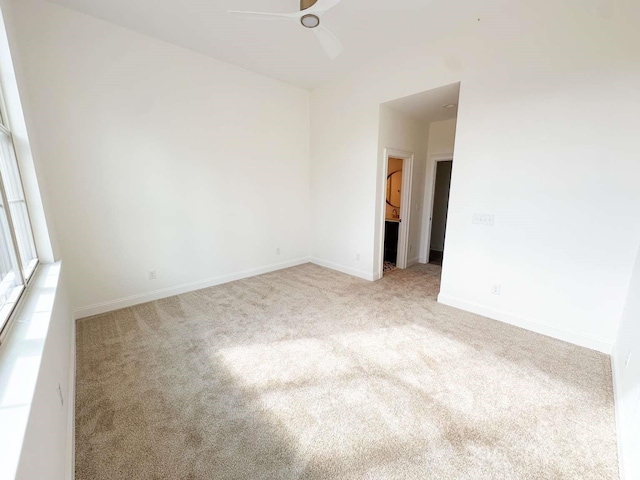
(321, 6)
(329, 42)
(267, 15)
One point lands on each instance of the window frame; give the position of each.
(9, 309)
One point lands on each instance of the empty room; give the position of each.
(319, 239)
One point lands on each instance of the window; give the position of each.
(18, 257)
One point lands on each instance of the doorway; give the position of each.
(425, 125)
(396, 210)
(440, 209)
(392, 218)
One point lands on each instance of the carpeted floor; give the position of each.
(310, 374)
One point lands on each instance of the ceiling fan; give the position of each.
(309, 16)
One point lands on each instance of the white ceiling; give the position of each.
(283, 49)
(428, 106)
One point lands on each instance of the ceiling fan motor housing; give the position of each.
(304, 4)
(310, 20)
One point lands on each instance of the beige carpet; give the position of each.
(311, 374)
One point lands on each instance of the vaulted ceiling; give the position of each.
(368, 29)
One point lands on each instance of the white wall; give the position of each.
(546, 141)
(160, 158)
(627, 379)
(442, 137)
(399, 131)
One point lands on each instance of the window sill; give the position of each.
(20, 362)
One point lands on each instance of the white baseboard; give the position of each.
(575, 338)
(413, 261)
(617, 400)
(139, 298)
(341, 268)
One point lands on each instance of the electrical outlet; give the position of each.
(485, 219)
(358, 257)
(278, 251)
(60, 396)
(628, 360)
(496, 289)
(152, 274)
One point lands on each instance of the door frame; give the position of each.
(429, 200)
(405, 206)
